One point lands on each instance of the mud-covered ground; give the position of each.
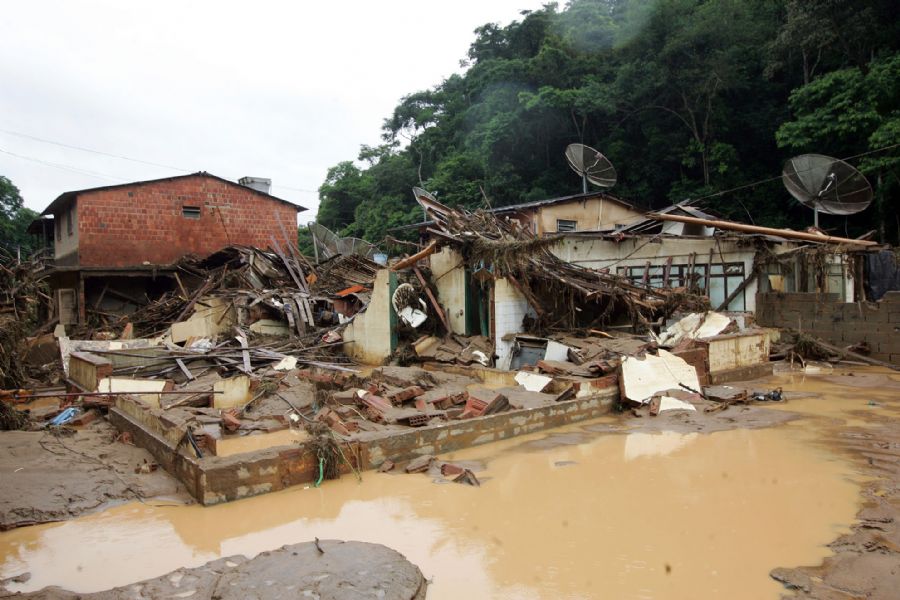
(866, 561)
(322, 569)
(48, 476)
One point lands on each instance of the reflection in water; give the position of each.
(697, 516)
(656, 444)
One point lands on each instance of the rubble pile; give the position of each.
(565, 296)
(23, 300)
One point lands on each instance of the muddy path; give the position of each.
(331, 569)
(46, 477)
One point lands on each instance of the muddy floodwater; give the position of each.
(578, 512)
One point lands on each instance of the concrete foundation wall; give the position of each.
(840, 323)
(215, 479)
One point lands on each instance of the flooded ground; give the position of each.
(636, 515)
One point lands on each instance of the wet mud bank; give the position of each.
(46, 477)
(331, 569)
(862, 410)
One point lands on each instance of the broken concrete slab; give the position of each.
(693, 327)
(231, 392)
(556, 351)
(519, 398)
(147, 390)
(533, 382)
(641, 379)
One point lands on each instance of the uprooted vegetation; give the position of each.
(563, 295)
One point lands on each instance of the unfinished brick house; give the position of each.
(116, 246)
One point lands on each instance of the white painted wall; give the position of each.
(510, 307)
(449, 277)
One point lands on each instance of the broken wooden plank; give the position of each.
(432, 299)
(245, 352)
(184, 369)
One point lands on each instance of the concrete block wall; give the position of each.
(840, 323)
(130, 225)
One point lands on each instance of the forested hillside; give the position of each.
(688, 98)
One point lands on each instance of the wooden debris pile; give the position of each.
(563, 295)
(23, 302)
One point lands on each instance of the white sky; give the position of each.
(282, 90)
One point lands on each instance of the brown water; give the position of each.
(237, 444)
(855, 397)
(636, 515)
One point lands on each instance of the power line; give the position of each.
(100, 152)
(64, 167)
(111, 155)
(770, 179)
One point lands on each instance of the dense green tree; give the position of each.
(684, 96)
(14, 219)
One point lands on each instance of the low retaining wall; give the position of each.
(840, 323)
(216, 479)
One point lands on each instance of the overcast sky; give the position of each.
(282, 90)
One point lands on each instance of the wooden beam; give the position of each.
(434, 302)
(785, 233)
(409, 261)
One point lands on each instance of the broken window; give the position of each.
(566, 225)
(718, 284)
(190, 212)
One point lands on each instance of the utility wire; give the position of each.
(770, 179)
(110, 155)
(64, 167)
(100, 152)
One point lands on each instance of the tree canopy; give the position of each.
(14, 218)
(688, 98)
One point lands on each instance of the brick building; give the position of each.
(115, 246)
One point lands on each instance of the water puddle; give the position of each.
(856, 397)
(237, 444)
(638, 515)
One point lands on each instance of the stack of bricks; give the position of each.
(840, 323)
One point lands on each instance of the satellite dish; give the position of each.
(591, 165)
(328, 244)
(826, 184)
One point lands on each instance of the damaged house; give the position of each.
(115, 246)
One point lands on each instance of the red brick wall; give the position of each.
(130, 225)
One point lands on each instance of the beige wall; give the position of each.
(591, 214)
(449, 276)
(370, 331)
(66, 243)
